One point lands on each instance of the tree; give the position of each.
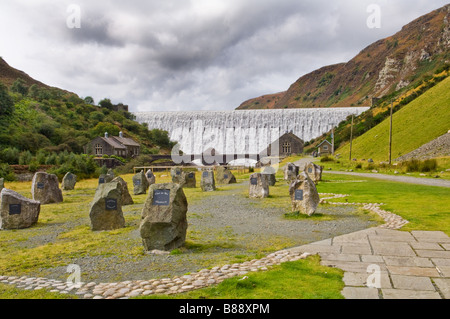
(106, 103)
(19, 86)
(89, 100)
(6, 102)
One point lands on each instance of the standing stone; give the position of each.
(314, 172)
(126, 197)
(140, 183)
(178, 176)
(2, 183)
(109, 175)
(151, 178)
(258, 186)
(190, 180)
(290, 171)
(69, 181)
(106, 208)
(17, 211)
(269, 173)
(304, 195)
(45, 188)
(164, 222)
(207, 182)
(224, 176)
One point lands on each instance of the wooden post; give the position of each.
(332, 136)
(351, 140)
(390, 135)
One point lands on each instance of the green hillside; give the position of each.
(417, 123)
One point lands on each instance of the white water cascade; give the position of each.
(243, 131)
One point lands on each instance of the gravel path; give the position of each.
(402, 179)
(223, 228)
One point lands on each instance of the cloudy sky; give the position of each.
(172, 55)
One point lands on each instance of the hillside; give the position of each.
(38, 121)
(382, 68)
(417, 123)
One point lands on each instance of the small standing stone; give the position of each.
(126, 197)
(269, 173)
(190, 180)
(290, 171)
(45, 188)
(109, 175)
(106, 208)
(69, 181)
(178, 176)
(140, 183)
(314, 172)
(17, 211)
(304, 195)
(151, 178)
(224, 176)
(259, 186)
(207, 182)
(164, 222)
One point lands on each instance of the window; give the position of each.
(286, 148)
(98, 149)
(325, 147)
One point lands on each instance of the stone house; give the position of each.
(288, 144)
(325, 148)
(113, 145)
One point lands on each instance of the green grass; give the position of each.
(302, 279)
(417, 123)
(425, 207)
(10, 292)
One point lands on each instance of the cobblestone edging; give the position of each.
(179, 284)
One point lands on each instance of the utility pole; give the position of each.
(332, 136)
(351, 140)
(390, 135)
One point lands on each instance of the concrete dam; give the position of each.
(243, 131)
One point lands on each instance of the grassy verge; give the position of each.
(425, 207)
(10, 292)
(303, 279)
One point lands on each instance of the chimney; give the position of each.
(106, 134)
(121, 134)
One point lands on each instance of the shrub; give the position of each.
(7, 173)
(358, 165)
(326, 159)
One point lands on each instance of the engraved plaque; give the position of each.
(309, 170)
(69, 177)
(205, 174)
(299, 194)
(191, 175)
(110, 204)
(178, 172)
(161, 197)
(149, 175)
(40, 185)
(290, 168)
(15, 209)
(253, 181)
(101, 180)
(137, 182)
(225, 176)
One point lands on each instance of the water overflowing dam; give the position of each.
(243, 131)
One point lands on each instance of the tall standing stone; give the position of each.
(290, 171)
(68, 182)
(140, 183)
(224, 176)
(208, 182)
(45, 188)
(314, 172)
(126, 197)
(269, 173)
(178, 176)
(151, 178)
(304, 196)
(258, 186)
(190, 180)
(109, 175)
(164, 222)
(17, 211)
(106, 208)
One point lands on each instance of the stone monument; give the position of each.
(224, 176)
(290, 171)
(304, 195)
(140, 183)
(178, 176)
(151, 178)
(68, 182)
(17, 211)
(190, 180)
(45, 188)
(207, 182)
(314, 172)
(126, 197)
(258, 186)
(106, 208)
(164, 223)
(269, 173)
